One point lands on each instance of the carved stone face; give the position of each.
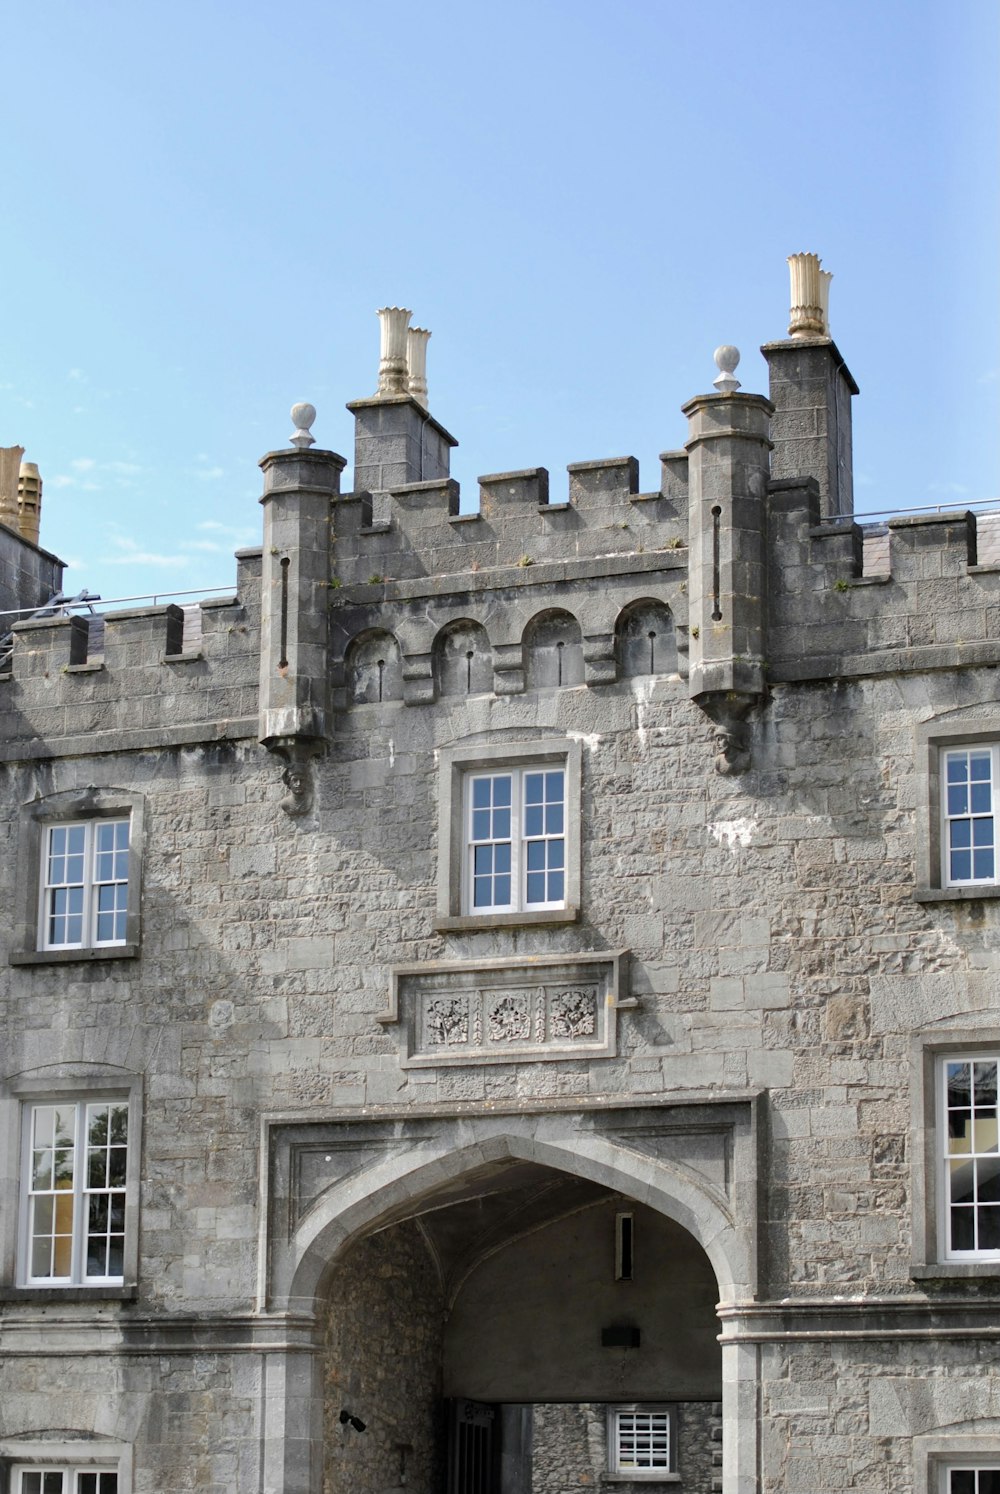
(297, 781)
(733, 756)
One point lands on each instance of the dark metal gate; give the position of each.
(473, 1448)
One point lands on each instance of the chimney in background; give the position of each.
(29, 501)
(10, 467)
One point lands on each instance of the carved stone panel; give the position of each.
(496, 1011)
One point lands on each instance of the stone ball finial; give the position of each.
(303, 416)
(726, 359)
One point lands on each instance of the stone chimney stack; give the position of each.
(811, 389)
(396, 440)
(10, 467)
(29, 501)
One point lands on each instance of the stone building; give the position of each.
(509, 1003)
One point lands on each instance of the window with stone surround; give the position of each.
(79, 861)
(641, 1441)
(510, 834)
(958, 776)
(955, 1149)
(970, 1159)
(971, 1480)
(75, 1175)
(48, 1478)
(949, 1462)
(69, 1198)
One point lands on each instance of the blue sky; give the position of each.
(205, 203)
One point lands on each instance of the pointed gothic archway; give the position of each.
(403, 1236)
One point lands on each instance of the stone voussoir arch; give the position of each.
(349, 1209)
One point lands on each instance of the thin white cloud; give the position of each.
(60, 480)
(947, 487)
(76, 373)
(146, 557)
(235, 534)
(82, 464)
(210, 474)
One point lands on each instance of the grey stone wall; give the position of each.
(384, 1321)
(570, 1449)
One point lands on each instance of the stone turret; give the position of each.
(728, 449)
(299, 487)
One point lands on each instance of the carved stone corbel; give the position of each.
(297, 775)
(728, 709)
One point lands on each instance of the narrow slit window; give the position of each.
(624, 1246)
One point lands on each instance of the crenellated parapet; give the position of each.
(136, 680)
(741, 569)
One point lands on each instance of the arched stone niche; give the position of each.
(373, 669)
(463, 660)
(553, 651)
(645, 641)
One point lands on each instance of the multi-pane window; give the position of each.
(969, 838)
(56, 1480)
(641, 1440)
(75, 1196)
(85, 870)
(971, 1158)
(516, 840)
(972, 1481)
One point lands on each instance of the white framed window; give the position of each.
(85, 875)
(969, 777)
(45, 1478)
(75, 1178)
(641, 1441)
(510, 841)
(78, 892)
(515, 852)
(969, 1156)
(970, 1478)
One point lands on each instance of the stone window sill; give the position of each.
(471, 923)
(640, 1478)
(56, 1296)
(955, 1270)
(75, 956)
(955, 894)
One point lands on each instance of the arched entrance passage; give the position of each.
(478, 1261)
